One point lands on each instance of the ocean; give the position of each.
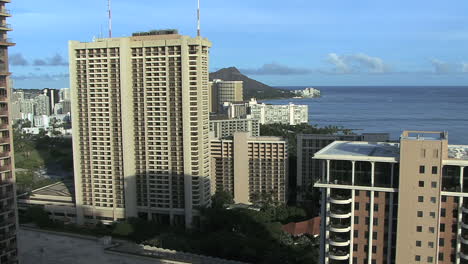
(390, 109)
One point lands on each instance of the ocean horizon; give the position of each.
(389, 109)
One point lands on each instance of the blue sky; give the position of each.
(295, 42)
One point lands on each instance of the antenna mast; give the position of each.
(198, 19)
(110, 17)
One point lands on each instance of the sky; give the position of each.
(281, 43)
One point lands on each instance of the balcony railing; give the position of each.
(5, 12)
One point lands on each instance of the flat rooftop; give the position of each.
(360, 149)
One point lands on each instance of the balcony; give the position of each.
(5, 26)
(4, 112)
(6, 195)
(6, 42)
(340, 199)
(4, 154)
(340, 214)
(465, 209)
(5, 12)
(339, 240)
(463, 256)
(5, 168)
(340, 228)
(338, 255)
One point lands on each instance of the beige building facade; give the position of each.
(8, 208)
(225, 91)
(394, 202)
(226, 127)
(141, 127)
(250, 168)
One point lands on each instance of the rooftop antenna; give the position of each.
(110, 18)
(198, 19)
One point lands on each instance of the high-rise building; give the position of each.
(309, 144)
(54, 97)
(223, 127)
(64, 94)
(250, 168)
(236, 109)
(8, 211)
(141, 127)
(394, 202)
(66, 106)
(16, 96)
(284, 114)
(42, 105)
(225, 91)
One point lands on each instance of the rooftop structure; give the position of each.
(394, 202)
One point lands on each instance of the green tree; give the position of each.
(221, 198)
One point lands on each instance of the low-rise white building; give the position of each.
(285, 114)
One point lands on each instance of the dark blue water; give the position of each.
(391, 109)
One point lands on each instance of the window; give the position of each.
(444, 199)
(441, 242)
(421, 183)
(430, 259)
(420, 214)
(419, 229)
(374, 249)
(376, 221)
(421, 169)
(441, 256)
(433, 200)
(417, 258)
(356, 220)
(442, 212)
(431, 229)
(434, 184)
(418, 243)
(376, 207)
(355, 247)
(420, 199)
(356, 206)
(356, 234)
(367, 206)
(434, 169)
(374, 236)
(430, 244)
(442, 227)
(432, 214)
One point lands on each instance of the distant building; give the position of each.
(53, 95)
(223, 127)
(308, 169)
(42, 121)
(64, 94)
(15, 111)
(309, 227)
(42, 105)
(28, 107)
(17, 96)
(236, 109)
(394, 202)
(250, 167)
(284, 114)
(66, 106)
(224, 91)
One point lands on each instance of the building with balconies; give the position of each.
(250, 168)
(8, 209)
(223, 127)
(141, 127)
(394, 202)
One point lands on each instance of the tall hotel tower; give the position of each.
(8, 220)
(140, 127)
(395, 203)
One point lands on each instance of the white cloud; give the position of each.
(357, 63)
